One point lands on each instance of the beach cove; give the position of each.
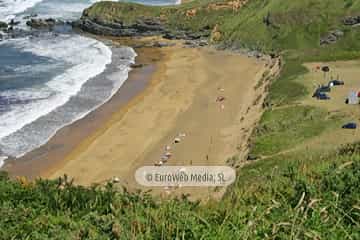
(208, 101)
(194, 92)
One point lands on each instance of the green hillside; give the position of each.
(293, 24)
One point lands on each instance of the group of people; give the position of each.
(167, 150)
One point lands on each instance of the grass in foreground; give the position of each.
(302, 201)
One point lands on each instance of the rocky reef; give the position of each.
(41, 23)
(36, 26)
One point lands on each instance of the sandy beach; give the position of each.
(180, 100)
(211, 98)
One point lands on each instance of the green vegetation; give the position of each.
(126, 12)
(300, 194)
(290, 203)
(293, 25)
(286, 127)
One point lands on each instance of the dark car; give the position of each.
(350, 126)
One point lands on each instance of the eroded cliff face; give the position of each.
(141, 27)
(130, 20)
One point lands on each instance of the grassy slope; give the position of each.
(296, 203)
(299, 195)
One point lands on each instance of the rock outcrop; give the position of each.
(331, 37)
(141, 27)
(37, 27)
(41, 23)
(351, 20)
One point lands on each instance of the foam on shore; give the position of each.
(67, 97)
(9, 8)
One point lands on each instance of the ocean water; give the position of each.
(52, 79)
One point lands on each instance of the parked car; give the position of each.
(350, 126)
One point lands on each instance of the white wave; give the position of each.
(88, 57)
(2, 160)
(9, 8)
(119, 77)
(65, 9)
(39, 132)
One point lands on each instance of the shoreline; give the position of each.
(40, 161)
(173, 91)
(181, 99)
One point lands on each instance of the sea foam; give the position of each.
(88, 57)
(9, 8)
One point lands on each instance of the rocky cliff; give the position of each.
(128, 20)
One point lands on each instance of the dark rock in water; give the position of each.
(352, 20)
(30, 16)
(13, 22)
(332, 37)
(11, 33)
(41, 23)
(50, 21)
(3, 25)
